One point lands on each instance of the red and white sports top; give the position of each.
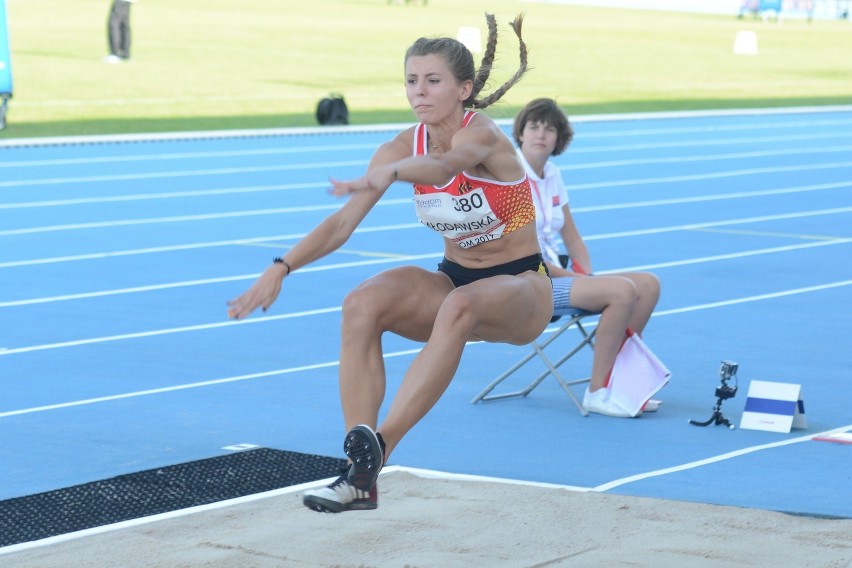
(469, 210)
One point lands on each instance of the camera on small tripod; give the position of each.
(724, 391)
(726, 372)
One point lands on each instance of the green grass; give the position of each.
(216, 64)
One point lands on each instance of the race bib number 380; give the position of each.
(465, 219)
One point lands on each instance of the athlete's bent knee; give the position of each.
(458, 311)
(365, 307)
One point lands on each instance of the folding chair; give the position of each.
(573, 319)
(771, 9)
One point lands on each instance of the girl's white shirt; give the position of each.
(549, 196)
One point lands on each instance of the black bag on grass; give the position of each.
(332, 110)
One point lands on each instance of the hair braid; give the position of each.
(497, 94)
(487, 59)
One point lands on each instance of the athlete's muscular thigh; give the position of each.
(512, 309)
(404, 300)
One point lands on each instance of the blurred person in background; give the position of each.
(118, 31)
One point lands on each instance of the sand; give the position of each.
(433, 522)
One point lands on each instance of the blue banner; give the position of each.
(5, 54)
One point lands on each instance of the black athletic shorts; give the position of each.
(461, 275)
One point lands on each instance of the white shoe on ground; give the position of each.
(340, 496)
(599, 402)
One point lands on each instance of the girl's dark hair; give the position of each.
(545, 111)
(460, 61)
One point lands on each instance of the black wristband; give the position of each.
(280, 260)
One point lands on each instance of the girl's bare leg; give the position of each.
(647, 296)
(614, 297)
(500, 309)
(403, 300)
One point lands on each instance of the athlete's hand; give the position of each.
(377, 180)
(262, 293)
(343, 188)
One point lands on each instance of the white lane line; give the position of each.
(797, 151)
(435, 474)
(380, 259)
(755, 298)
(164, 195)
(353, 163)
(185, 218)
(698, 143)
(638, 117)
(161, 220)
(325, 148)
(705, 158)
(269, 318)
(779, 234)
(190, 246)
(222, 154)
(391, 258)
(323, 166)
(199, 384)
(158, 101)
(182, 173)
(694, 226)
(285, 210)
(706, 176)
(209, 244)
(131, 290)
(726, 256)
(506, 124)
(714, 459)
(714, 197)
(166, 331)
(288, 187)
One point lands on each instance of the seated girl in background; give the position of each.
(624, 300)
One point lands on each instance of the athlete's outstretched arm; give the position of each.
(325, 238)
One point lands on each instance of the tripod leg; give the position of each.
(721, 420)
(705, 423)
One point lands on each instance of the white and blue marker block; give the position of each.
(776, 407)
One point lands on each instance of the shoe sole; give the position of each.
(607, 412)
(362, 447)
(612, 414)
(321, 505)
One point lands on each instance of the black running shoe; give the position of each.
(363, 448)
(340, 496)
